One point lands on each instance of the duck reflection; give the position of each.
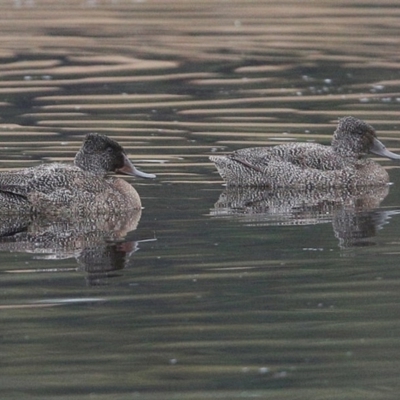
(354, 213)
(98, 244)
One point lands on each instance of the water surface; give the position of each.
(287, 296)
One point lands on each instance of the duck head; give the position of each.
(99, 155)
(355, 138)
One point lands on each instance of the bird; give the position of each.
(82, 189)
(310, 165)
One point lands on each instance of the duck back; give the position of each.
(297, 165)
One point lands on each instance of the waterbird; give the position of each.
(84, 188)
(310, 165)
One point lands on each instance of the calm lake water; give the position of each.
(206, 294)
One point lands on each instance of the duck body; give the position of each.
(310, 165)
(81, 189)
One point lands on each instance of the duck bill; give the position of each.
(379, 149)
(129, 169)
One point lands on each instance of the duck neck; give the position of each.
(88, 163)
(346, 149)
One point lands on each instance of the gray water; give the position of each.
(206, 294)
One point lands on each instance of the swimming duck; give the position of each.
(311, 165)
(80, 189)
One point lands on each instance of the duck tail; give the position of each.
(222, 164)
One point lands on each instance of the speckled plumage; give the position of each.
(310, 165)
(80, 189)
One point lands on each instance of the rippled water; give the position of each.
(207, 293)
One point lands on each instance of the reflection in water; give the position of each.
(353, 212)
(97, 244)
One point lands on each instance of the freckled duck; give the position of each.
(80, 189)
(310, 165)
